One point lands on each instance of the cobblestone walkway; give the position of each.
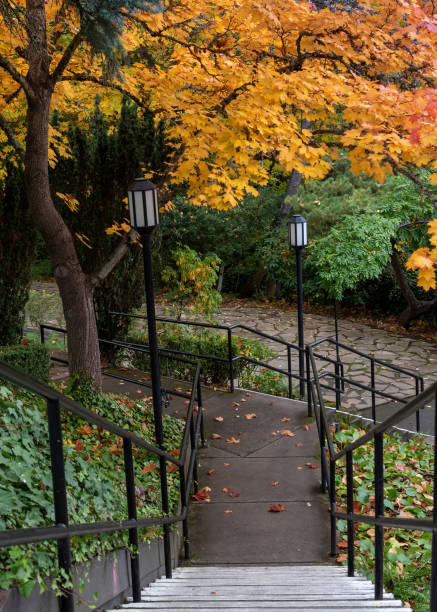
(413, 355)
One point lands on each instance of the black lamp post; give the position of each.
(298, 236)
(144, 217)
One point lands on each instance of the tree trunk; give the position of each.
(415, 307)
(74, 287)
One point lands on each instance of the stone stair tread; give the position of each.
(274, 588)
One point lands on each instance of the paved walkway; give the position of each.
(414, 355)
(262, 452)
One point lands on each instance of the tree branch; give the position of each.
(6, 127)
(65, 59)
(416, 180)
(117, 254)
(17, 76)
(88, 78)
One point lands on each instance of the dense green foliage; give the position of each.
(104, 161)
(34, 359)
(408, 492)
(199, 342)
(17, 247)
(190, 282)
(94, 473)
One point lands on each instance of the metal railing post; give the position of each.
(372, 384)
(417, 411)
(379, 513)
(333, 504)
(42, 334)
(193, 450)
(184, 504)
(350, 509)
(202, 419)
(290, 378)
(66, 600)
(132, 514)
(322, 451)
(231, 361)
(308, 374)
(337, 386)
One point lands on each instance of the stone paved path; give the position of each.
(414, 355)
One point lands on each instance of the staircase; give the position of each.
(305, 588)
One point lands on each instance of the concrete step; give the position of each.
(303, 588)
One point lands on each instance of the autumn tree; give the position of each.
(45, 48)
(239, 82)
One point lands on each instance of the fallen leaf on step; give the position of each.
(226, 464)
(235, 404)
(274, 483)
(226, 512)
(215, 436)
(285, 419)
(211, 472)
(218, 419)
(312, 466)
(307, 427)
(287, 432)
(274, 433)
(243, 399)
(299, 444)
(225, 490)
(249, 394)
(232, 441)
(250, 415)
(233, 494)
(277, 508)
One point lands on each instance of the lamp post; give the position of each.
(144, 217)
(298, 237)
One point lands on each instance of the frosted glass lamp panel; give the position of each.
(150, 209)
(139, 208)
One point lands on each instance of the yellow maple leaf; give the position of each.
(420, 260)
(426, 279)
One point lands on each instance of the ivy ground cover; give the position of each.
(408, 493)
(94, 474)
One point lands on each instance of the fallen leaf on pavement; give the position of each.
(232, 441)
(250, 415)
(225, 490)
(226, 464)
(210, 472)
(312, 466)
(249, 394)
(233, 494)
(277, 508)
(274, 433)
(202, 495)
(226, 512)
(274, 483)
(307, 427)
(287, 432)
(235, 404)
(285, 419)
(243, 399)
(215, 436)
(218, 419)
(299, 444)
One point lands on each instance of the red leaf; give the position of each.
(277, 508)
(202, 494)
(210, 472)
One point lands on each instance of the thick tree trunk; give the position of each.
(75, 289)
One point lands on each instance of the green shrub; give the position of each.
(34, 359)
(203, 342)
(94, 474)
(265, 381)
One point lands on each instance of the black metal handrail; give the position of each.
(61, 532)
(341, 380)
(329, 460)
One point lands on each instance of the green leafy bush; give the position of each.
(203, 342)
(265, 381)
(32, 358)
(408, 493)
(191, 281)
(94, 474)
